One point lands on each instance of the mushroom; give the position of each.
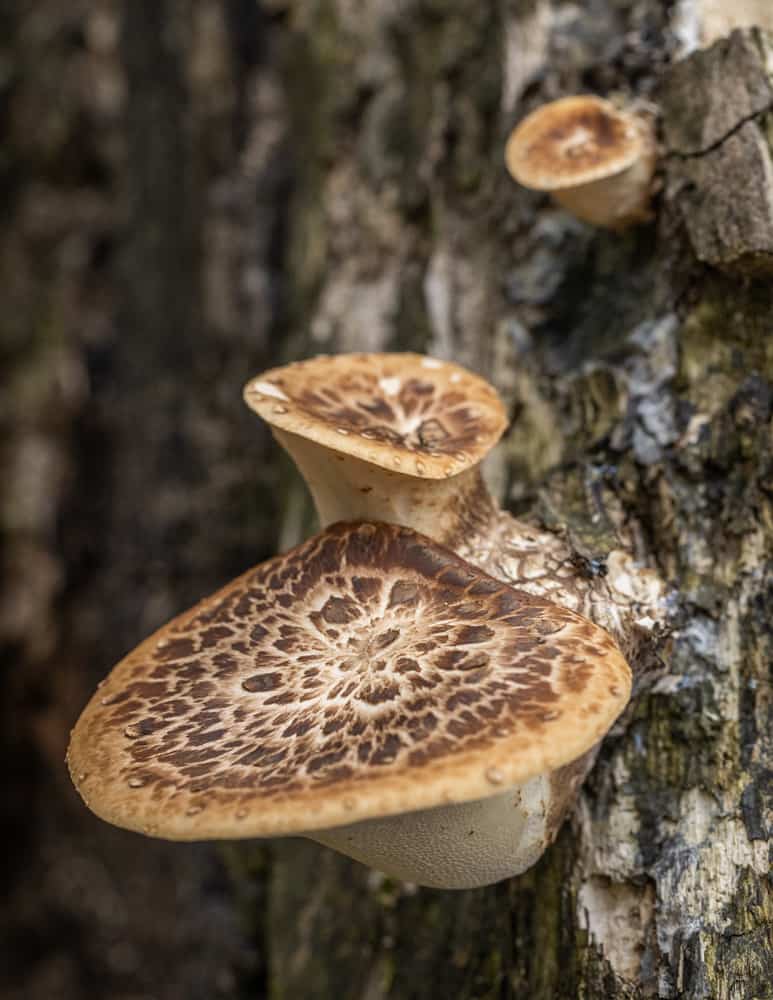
(369, 690)
(386, 437)
(598, 162)
(400, 438)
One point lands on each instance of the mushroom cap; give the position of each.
(573, 141)
(365, 673)
(404, 412)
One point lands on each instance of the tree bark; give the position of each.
(215, 188)
(639, 383)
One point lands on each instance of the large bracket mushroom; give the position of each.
(370, 690)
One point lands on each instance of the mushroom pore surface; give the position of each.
(366, 673)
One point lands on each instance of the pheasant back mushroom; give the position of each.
(387, 437)
(596, 161)
(368, 689)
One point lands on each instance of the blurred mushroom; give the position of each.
(598, 162)
(400, 438)
(386, 437)
(368, 689)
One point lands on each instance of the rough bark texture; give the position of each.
(211, 188)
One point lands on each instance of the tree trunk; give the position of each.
(312, 176)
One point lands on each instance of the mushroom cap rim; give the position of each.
(470, 776)
(287, 416)
(561, 178)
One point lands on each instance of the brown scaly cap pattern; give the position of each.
(402, 412)
(572, 141)
(366, 672)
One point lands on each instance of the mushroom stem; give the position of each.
(344, 488)
(464, 845)
(614, 202)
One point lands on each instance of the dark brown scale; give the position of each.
(340, 610)
(326, 760)
(262, 682)
(174, 649)
(386, 638)
(387, 751)
(366, 587)
(432, 434)
(376, 694)
(403, 592)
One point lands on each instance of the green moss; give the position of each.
(724, 338)
(744, 952)
(577, 499)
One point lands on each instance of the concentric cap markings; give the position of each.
(367, 672)
(572, 141)
(425, 417)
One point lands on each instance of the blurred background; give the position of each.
(144, 178)
(194, 190)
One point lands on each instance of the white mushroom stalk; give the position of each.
(369, 690)
(345, 488)
(388, 437)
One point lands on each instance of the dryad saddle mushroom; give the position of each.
(368, 689)
(597, 161)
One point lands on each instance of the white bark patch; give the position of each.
(359, 313)
(439, 297)
(526, 39)
(616, 917)
(720, 17)
(696, 895)
(612, 841)
(637, 584)
(699, 812)
(686, 27)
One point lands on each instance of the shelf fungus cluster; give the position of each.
(422, 685)
(597, 161)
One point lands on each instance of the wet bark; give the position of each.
(218, 187)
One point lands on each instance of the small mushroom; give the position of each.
(400, 438)
(386, 437)
(369, 690)
(598, 162)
